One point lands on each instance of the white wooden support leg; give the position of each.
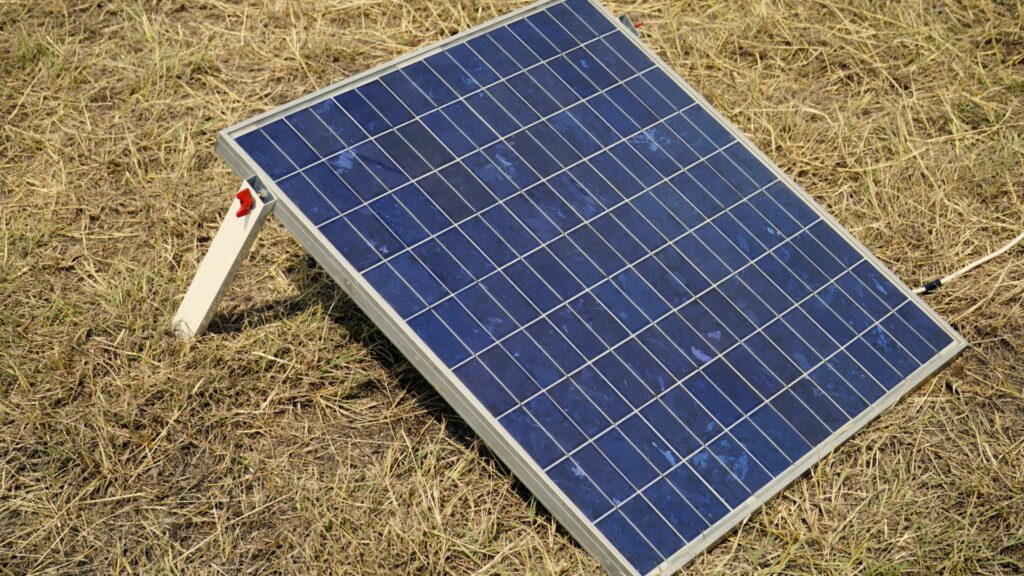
(229, 248)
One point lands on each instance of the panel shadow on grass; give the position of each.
(316, 289)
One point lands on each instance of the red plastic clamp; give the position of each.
(245, 198)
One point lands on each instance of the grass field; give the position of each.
(295, 438)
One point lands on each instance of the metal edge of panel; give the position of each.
(943, 357)
(448, 385)
(371, 74)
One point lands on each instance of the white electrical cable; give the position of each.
(931, 286)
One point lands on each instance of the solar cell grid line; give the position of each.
(723, 432)
(482, 88)
(712, 285)
(428, 174)
(460, 98)
(598, 65)
(651, 324)
(737, 344)
(623, 202)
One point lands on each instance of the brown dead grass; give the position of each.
(295, 438)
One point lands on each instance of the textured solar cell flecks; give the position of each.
(659, 321)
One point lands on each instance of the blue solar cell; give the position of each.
(511, 164)
(780, 432)
(425, 284)
(655, 529)
(465, 253)
(718, 477)
(514, 47)
(441, 263)
(362, 112)
(486, 387)
(265, 154)
(531, 436)
(552, 31)
(339, 122)
(439, 338)
(308, 199)
(488, 242)
(637, 358)
(622, 380)
(865, 356)
(385, 102)
(502, 108)
(555, 345)
(492, 177)
(395, 291)
(567, 19)
(833, 384)
(533, 154)
(509, 372)
(596, 185)
(429, 83)
(535, 96)
(554, 273)
(625, 49)
(572, 76)
(417, 203)
(709, 128)
(924, 326)
(510, 229)
(739, 462)
(539, 293)
(670, 90)
(555, 422)
(407, 93)
(398, 220)
(761, 448)
(660, 323)
(288, 141)
(598, 319)
(356, 175)
(445, 198)
(638, 112)
(820, 404)
(575, 331)
(425, 144)
(315, 132)
(471, 62)
(486, 311)
(351, 245)
(466, 185)
(855, 375)
(553, 85)
(572, 480)
(401, 160)
(531, 217)
(691, 135)
(739, 236)
(445, 131)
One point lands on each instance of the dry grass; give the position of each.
(295, 438)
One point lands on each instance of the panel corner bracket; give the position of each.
(246, 215)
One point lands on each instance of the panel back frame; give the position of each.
(465, 403)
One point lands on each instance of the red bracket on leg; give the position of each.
(245, 198)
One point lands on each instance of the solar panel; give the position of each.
(651, 324)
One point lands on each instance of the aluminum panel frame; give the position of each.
(465, 403)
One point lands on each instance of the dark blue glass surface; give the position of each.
(656, 316)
